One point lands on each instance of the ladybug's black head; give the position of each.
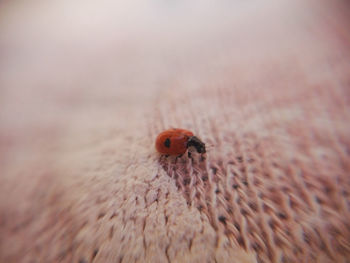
(197, 144)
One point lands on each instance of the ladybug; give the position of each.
(177, 141)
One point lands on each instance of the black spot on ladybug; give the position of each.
(167, 143)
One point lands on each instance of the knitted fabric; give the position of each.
(80, 180)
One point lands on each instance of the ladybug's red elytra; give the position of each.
(177, 141)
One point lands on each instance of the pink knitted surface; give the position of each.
(83, 97)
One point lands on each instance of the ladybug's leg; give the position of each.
(189, 154)
(163, 157)
(177, 157)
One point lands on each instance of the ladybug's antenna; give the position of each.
(209, 145)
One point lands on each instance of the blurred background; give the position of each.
(73, 52)
(59, 57)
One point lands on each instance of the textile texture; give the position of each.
(267, 91)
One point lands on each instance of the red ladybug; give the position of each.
(177, 141)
